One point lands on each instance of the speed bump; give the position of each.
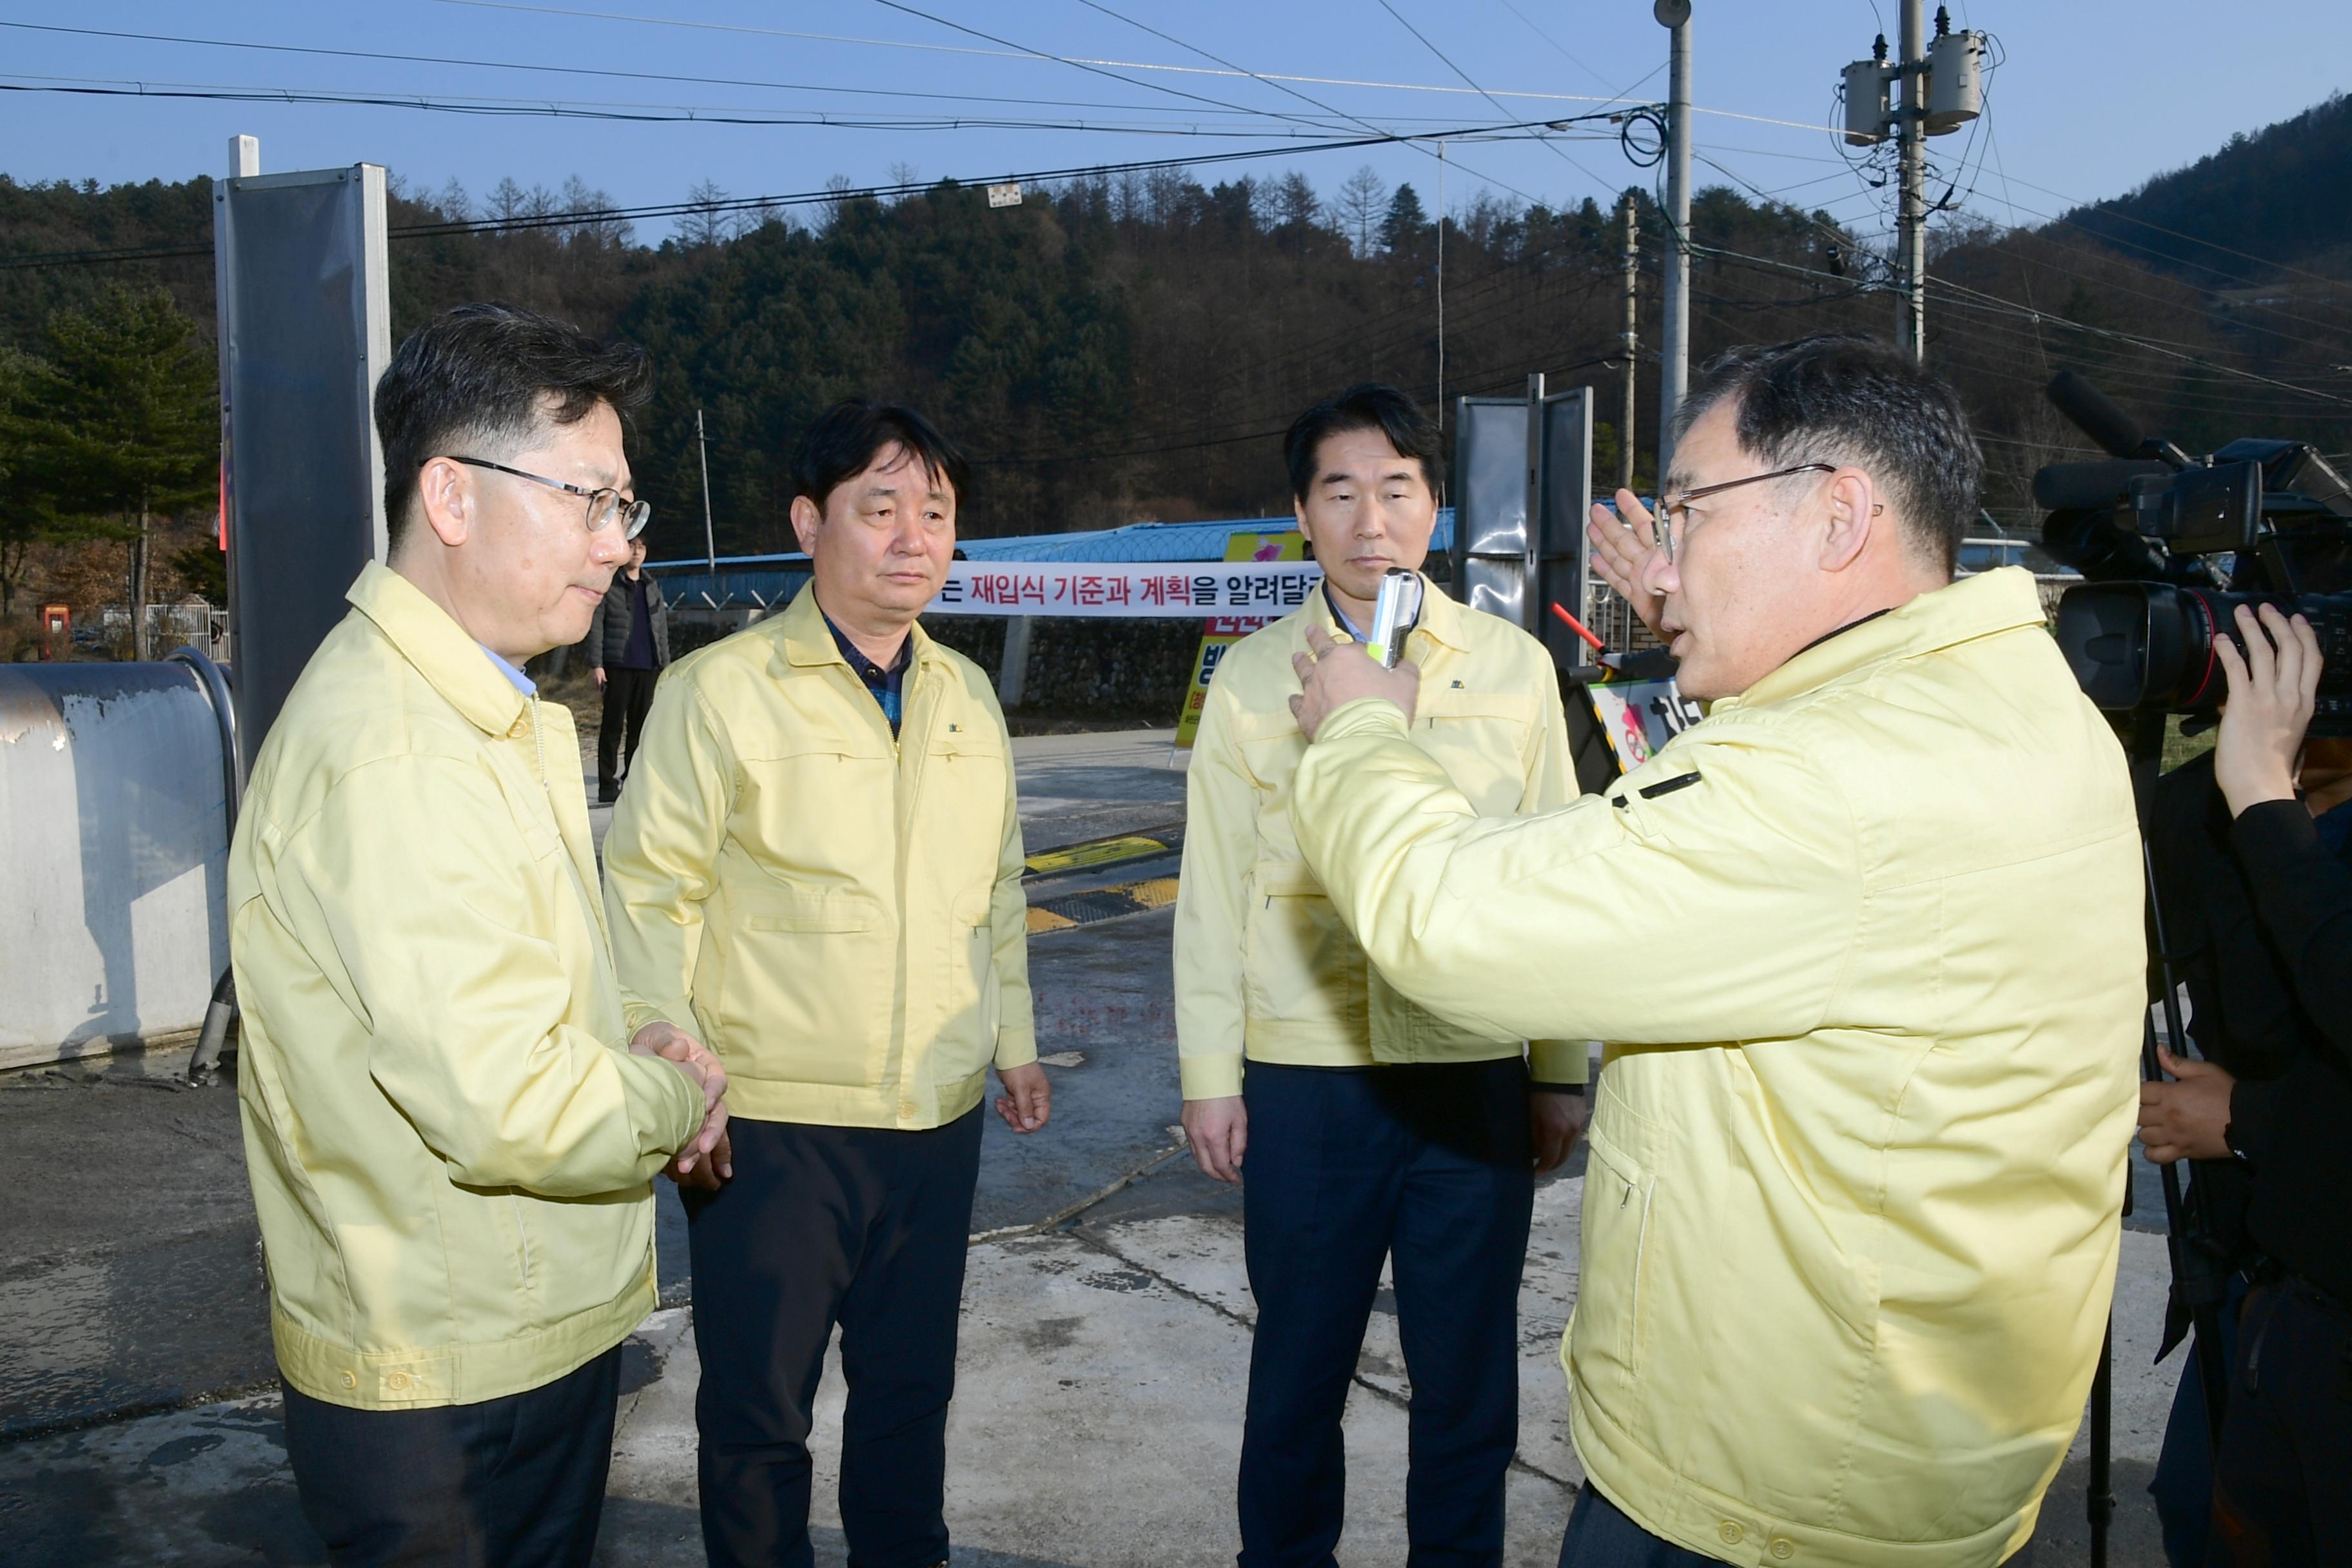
(1104, 851)
(1102, 904)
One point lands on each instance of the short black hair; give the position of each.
(482, 376)
(1367, 405)
(843, 441)
(1844, 398)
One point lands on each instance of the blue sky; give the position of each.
(2094, 95)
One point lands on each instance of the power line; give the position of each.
(755, 203)
(603, 71)
(641, 113)
(1560, 48)
(905, 9)
(1970, 299)
(1018, 54)
(1228, 65)
(1448, 62)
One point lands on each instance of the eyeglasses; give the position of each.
(604, 505)
(1674, 511)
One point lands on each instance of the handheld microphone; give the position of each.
(1393, 614)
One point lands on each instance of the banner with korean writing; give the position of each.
(1267, 589)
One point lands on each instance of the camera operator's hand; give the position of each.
(1622, 546)
(2271, 690)
(2186, 1118)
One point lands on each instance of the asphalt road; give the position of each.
(1103, 1355)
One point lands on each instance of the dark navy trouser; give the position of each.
(512, 1482)
(1344, 1167)
(862, 1226)
(1603, 1535)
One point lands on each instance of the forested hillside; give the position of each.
(1128, 347)
(2260, 210)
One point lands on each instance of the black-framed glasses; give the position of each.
(605, 506)
(1674, 511)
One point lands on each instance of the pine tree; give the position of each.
(123, 423)
(28, 515)
(1405, 223)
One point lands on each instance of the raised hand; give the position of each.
(2272, 687)
(1621, 549)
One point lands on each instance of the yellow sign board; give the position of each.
(1224, 631)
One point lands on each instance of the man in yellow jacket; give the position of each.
(449, 1146)
(1865, 945)
(817, 868)
(1371, 1130)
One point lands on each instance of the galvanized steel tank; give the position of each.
(114, 824)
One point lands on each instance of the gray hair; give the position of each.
(1836, 397)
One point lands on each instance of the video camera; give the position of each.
(2173, 544)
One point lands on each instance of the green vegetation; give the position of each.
(117, 428)
(1126, 347)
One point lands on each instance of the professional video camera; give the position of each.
(2173, 544)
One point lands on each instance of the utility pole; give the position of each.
(702, 449)
(1943, 89)
(1674, 317)
(1911, 216)
(1633, 323)
(1441, 281)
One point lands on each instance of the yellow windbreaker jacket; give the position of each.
(449, 1146)
(1867, 946)
(1264, 968)
(837, 912)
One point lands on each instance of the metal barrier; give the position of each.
(117, 783)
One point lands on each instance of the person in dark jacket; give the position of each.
(629, 639)
(2259, 886)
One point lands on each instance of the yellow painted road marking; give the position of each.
(1098, 852)
(1103, 904)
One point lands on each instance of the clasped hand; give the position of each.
(706, 1158)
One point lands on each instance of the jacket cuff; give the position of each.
(1210, 1077)
(1016, 1045)
(1560, 1063)
(2253, 1111)
(1365, 713)
(665, 1108)
(677, 1013)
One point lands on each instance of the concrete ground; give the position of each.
(1104, 1352)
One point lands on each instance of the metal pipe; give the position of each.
(1673, 318)
(214, 681)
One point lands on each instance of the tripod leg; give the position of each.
(2100, 1501)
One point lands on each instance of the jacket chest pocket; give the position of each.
(816, 814)
(1300, 961)
(808, 986)
(964, 804)
(1481, 741)
(1609, 1333)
